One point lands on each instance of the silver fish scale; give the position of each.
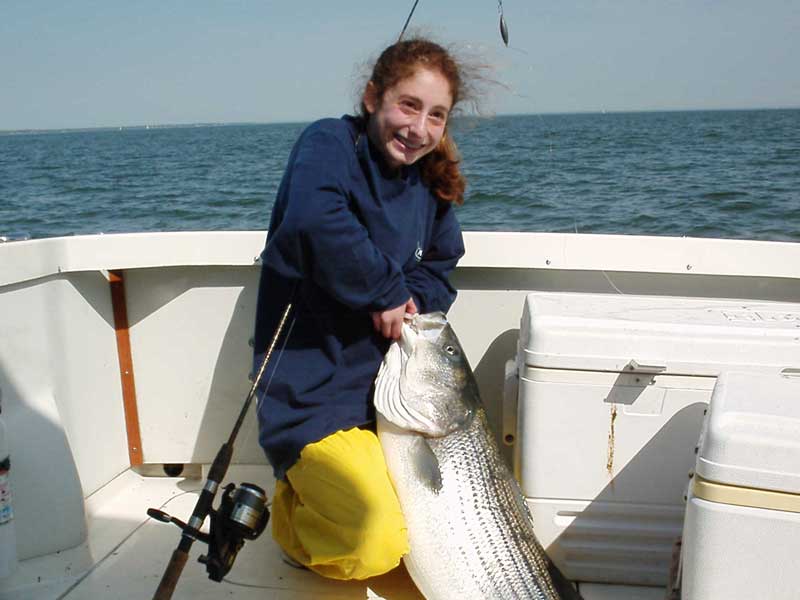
(506, 557)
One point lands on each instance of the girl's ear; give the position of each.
(370, 98)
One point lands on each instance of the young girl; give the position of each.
(362, 232)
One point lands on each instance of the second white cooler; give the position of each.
(612, 393)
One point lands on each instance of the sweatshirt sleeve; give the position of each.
(429, 280)
(320, 237)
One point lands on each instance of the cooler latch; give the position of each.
(638, 367)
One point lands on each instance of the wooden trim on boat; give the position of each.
(119, 305)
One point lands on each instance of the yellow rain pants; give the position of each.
(339, 514)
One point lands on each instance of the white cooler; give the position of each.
(742, 534)
(612, 392)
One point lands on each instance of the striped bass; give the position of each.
(470, 533)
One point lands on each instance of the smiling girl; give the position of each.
(362, 232)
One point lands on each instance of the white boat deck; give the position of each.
(60, 377)
(126, 553)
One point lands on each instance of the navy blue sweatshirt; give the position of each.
(347, 237)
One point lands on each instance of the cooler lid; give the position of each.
(751, 435)
(657, 334)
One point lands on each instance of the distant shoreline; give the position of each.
(8, 132)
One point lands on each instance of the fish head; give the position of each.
(425, 383)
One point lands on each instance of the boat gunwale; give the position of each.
(29, 260)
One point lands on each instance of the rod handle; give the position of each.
(171, 575)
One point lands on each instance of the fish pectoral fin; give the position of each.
(426, 464)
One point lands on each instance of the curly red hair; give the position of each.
(440, 168)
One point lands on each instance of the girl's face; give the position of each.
(409, 121)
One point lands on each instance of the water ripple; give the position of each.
(731, 174)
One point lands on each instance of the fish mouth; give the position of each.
(420, 328)
(427, 326)
(408, 337)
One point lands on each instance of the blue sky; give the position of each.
(105, 63)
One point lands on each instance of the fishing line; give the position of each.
(550, 132)
(503, 24)
(611, 283)
(116, 549)
(334, 595)
(261, 397)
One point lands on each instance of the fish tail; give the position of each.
(566, 590)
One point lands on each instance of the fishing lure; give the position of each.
(503, 25)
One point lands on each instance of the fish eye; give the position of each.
(450, 350)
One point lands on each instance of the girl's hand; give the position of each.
(389, 323)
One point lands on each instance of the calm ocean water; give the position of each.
(729, 174)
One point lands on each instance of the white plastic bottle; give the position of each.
(8, 538)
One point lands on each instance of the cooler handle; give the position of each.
(509, 410)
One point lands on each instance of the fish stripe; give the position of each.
(500, 534)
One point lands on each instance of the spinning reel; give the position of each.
(242, 515)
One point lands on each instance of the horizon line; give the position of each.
(300, 122)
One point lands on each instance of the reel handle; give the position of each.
(171, 575)
(159, 515)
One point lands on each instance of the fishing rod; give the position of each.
(503, 25)
(242, 513)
